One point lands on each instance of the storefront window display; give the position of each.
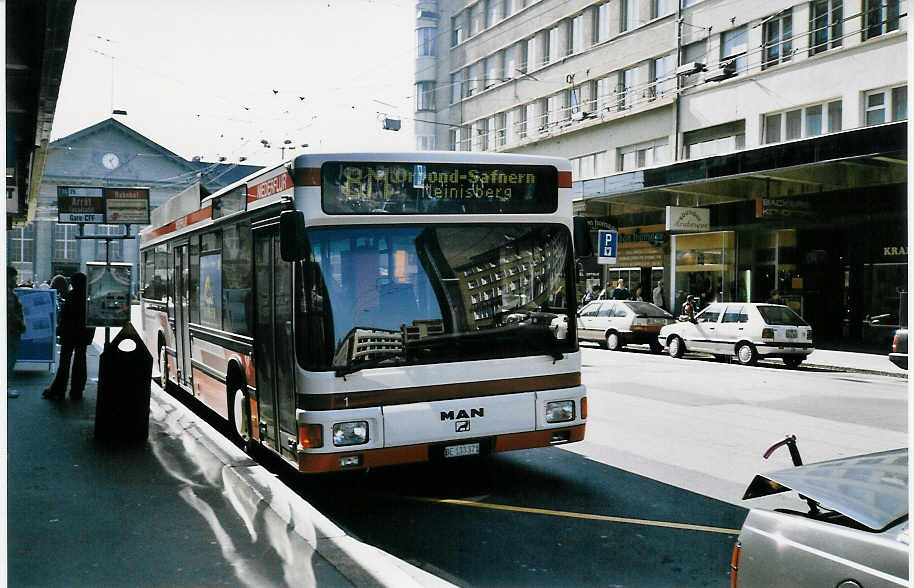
(704, 264)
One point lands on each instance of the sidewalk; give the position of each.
(187, 508)
(867, 363)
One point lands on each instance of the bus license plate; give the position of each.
(461, 450)
(791, 333)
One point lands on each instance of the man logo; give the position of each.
(463, 414)
(462, 426)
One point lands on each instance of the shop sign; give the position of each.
(783, 207)
(693, 220)
(895, 251)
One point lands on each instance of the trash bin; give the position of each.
(124, 378)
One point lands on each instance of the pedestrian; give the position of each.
(590, 295)
(59, 283)
(74, 338)
(658, 295)
(15, 327)
(775, 297)
(637, 295)
(620, 292)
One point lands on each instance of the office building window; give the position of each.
(629, 15)
(425, 143)
(880, 17)
(715, 140)
(552, 45)
(491, 72)
(465, 139)
(826, 25)
(628, 80)
(644, 154)
(797, 123)
(529, 55)
(501, 129)
(662, 8)
(473, 78)
(663, 76)
(733, 47)
(476, 18)
(886, 105)
(590, 166)
(603, 90)
(491, 12)
(65, 243)
(426, 41)
(778, 38)
(552, 113)
(506, 8)
(425, 95)
(481, 135)
(452, 139)
(457, 29)
(510, 63)
(456, 87)
(576, 35)
(693, 52)
(601, 22)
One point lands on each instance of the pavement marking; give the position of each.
(577, 515)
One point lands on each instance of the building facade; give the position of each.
(781, 124)
(107, 155)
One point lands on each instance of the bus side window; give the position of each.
(237, 276)
(312, 320)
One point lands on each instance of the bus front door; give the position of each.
(274, 345)
(182, 307)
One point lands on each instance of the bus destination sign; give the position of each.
(80, 204)
(437, 188)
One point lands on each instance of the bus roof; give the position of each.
(315, 160)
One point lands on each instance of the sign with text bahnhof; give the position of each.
(96, 205)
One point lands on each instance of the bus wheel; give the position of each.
(163, 366)
(238, 415)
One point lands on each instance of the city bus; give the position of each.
(350, 311)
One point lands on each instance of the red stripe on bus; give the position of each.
(313, 463)
(564, 179)
(185, 221)
(272, 186)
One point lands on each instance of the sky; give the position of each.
(212, 78)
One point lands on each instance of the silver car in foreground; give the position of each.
(852, 533)
(745, 330)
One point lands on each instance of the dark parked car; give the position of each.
(852, 530)
(899, 354)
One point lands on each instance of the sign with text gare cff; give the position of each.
(96, 205)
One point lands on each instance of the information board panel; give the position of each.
(80, 204)
(127, 206)
(607, 247)
(108, 303)
(39, 309)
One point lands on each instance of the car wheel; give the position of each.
(721, 358)
(656, 346)
(677, 347)
(613, 341)
(746, 354)
(793, 362)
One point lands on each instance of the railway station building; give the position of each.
(738, 147)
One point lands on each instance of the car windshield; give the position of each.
(781, 315)
(398, 295)
(647, 309)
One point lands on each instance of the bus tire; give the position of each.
(163, 365)
(238, 414)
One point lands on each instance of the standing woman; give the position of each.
(74, 337)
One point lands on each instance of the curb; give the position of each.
(837, 368)
(274, 513)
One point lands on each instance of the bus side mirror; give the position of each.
(583, 245)
(292, 243)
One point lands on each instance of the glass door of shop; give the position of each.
(704, 265)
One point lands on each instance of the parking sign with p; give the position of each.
(607, 246)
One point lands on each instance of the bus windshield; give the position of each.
(401, 295)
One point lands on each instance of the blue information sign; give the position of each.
(607, 246)
(39, 342)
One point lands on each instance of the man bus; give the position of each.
(351, 311)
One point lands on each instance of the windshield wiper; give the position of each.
(342, 372)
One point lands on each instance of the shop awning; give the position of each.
(858, 158)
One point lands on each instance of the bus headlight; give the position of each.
(559, 412)
(351, 433)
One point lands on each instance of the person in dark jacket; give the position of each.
(620, 292)
(74, 338)
(15, 327)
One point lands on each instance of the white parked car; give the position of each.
(745, 330)
(615, 323)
